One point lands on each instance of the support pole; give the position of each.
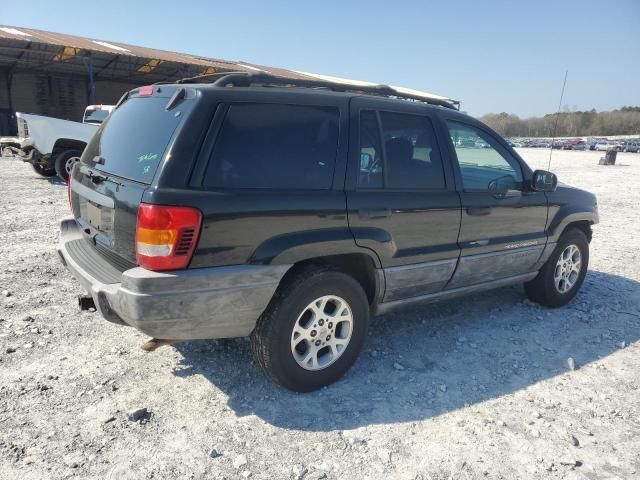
(91, 87)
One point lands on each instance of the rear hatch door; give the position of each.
(118, 165)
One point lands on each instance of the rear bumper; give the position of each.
(219, 302)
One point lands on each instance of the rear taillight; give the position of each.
(166, 236)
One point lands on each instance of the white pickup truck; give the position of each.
(52, 145)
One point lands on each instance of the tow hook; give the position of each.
(85, 302)
(155, 343)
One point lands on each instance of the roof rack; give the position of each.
(199, 78)
(247, 79)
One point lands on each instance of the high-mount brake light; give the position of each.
(166, 236)
(146, 91)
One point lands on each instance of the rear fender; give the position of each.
(291, 248)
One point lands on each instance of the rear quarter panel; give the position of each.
(259, 226)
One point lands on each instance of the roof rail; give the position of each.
(199, 78)
(246, 79)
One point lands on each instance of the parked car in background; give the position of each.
(51, 145)
(294, 214)
(617, 145)
(8, 145)
(580, 145)
(632, 147)
(602, 146)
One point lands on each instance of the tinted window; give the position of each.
(481, 158)
(413, 159)
(370, 151)
(275, 146)
(135, 138)
(95, 116)
(412, 156)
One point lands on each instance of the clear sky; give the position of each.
(494, 55)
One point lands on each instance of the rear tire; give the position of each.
(313, 329)
(65, 161)
(41, 170)
(559, 280)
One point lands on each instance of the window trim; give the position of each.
(502, 151)
(214, 134)
(385, 183)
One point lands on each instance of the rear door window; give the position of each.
(370, 151)
(410, 158)
(275, 146)
(413, 157)
(135, 138)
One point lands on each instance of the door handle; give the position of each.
(370, 213)
(477, 211)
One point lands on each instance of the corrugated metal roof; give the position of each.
(31, 49)
(87, 47)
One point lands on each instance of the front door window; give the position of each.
(482, 159)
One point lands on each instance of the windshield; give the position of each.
(134, 139)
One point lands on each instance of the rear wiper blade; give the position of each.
(96, 177)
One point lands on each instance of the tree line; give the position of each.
(624, 121)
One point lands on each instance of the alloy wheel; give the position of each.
(322, 332)
(567, 269)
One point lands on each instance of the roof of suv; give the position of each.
(332, 85)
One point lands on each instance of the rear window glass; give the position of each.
(135, 137)
(95, 116)
(275, 146)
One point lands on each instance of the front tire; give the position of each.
(561, 277)
(313, 329)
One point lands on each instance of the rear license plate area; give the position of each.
(94, 216)
(98, 217)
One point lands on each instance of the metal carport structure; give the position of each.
(58, 75)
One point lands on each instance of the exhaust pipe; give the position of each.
(85, 302)
(155, 343)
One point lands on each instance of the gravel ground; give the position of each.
(475, 388)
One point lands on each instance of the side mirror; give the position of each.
(543, 181)
(501, 186)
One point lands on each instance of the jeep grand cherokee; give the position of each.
(292, 211)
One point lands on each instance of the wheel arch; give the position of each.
(360, 266)
(583, 225)
(63, 144)
(581, 220)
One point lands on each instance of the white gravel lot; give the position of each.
(481, 389)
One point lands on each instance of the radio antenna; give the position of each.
(555, 127)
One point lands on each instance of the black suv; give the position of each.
(293, 210)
